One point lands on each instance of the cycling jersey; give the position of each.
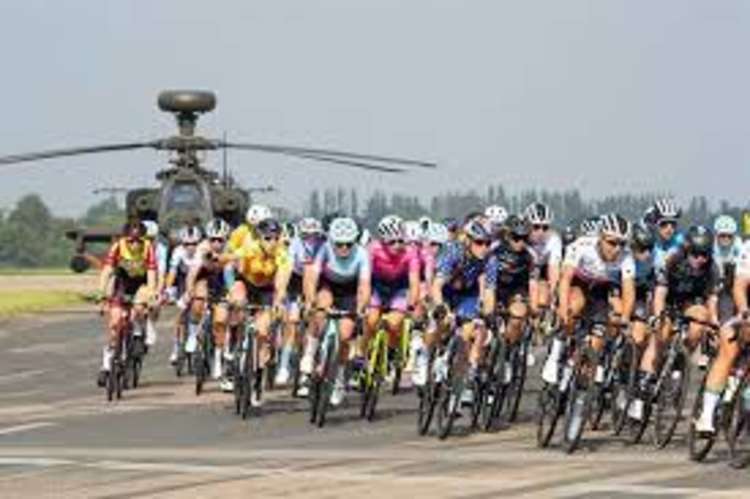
(258, 265)
(666, 249)
(645, 276)
(390, 275)
(509, 272)
(354, 268)
(743, 261)
(462, 273)
(182, 261)
(547, 251)
(302, 252)
(238, 236)
(130, 263)
(591, 269)
(726, 259)
(686, 284)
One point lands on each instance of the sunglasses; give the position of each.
(344, 245)
(135, 240)
(541, 227)
(518, 239)
(725, 236)
(615, 243)
(217, 240)
(700, 255)
(435, 245)
(393, 242)
(668, 223)
(190, 244)
(270, 239)
(480, 242)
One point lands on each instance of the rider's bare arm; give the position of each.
(660, 299)
(565, 280)
(628, 298)
(739, 292)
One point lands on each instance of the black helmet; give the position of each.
(699, 239)
(269, 227)
(569, 234)
(642, 238)
(517, 226)
(134, 229)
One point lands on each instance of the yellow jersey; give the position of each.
(259, 266)
(238, 236)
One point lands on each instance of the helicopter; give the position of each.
(189, 193)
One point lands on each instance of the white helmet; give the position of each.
(257, 213)
(614, 225)
(437, 233)
(343, 230)
(725, 224)
(217, 229)
(309, 226)
(190, 234)
(412, 231)
(590, 226)
(152, 228)
(666, 210)
(538, 213)
(496, 214)
(391, 227)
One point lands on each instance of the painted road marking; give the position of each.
(25, 427)
(7, 378)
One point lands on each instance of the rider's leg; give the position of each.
(717, 378)
(576, 304)
(696, 330)
(219, 331)
(289, 344)
(323, 301)
(517, 313)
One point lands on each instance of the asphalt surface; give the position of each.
(60, 438)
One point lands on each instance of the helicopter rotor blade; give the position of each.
(346, 162)
(329, 153)
(74, 151)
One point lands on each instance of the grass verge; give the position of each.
(35, 271)
(14, 302)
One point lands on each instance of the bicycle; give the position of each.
(203, 354)
(327, 365)
(248, 379)
(116, 378)
(450, 370)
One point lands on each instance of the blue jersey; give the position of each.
(354, 268)
(664, 250)
(460, 270)
(302, 252)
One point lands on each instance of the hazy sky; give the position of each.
(604, 96)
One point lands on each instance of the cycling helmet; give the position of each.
(699, 239)
(477, 231)
(152, 229)
(217, 229)
(269, 227)
(289, 230)
(424, 224)
(437, 234)
(642, 237)
(649, 217)
(569, 234)
(343, 230)
(666, 210)
(391, 227)
(330, 217)
(412, 231)
(309, 227)
(496, 214)
(614, 225)
(190, 234)
(725, 225)
(257, 213)
(134, 230)
(590, 226)
(451, 224)
(538, 213)
(518, 227)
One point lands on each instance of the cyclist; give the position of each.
(263, 273)
(665, 215)
(207, 285)
(458, 288)
(730, 345)
(129, 273)
(688, 284)
(727, 249)
(338, 278)
(255, 214)
(395, 267)
(595, 269)
(161, 253)
(302, 251)
(509, 273)
(547, 249)
(184, 257)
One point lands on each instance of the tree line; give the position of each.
(32, 236)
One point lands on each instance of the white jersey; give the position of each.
(584, 256)
(743, 261)
(183, 263)
(726, 256)
(548, 251)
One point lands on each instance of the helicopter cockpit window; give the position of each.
(185, 196)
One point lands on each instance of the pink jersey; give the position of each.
(393, 267)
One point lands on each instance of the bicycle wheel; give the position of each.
(428, 395)
(450, 398)
(551, 403)
(119, 378)
(699, 444)
(372, 380)
(247, 379)
(517, 381)
(200, 371)
(624, 375)
(670, 400)
(327, 380)
(480, 400)
(495, 392)
(581, 394)
(738, 432)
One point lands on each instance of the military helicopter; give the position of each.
(189, 193)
